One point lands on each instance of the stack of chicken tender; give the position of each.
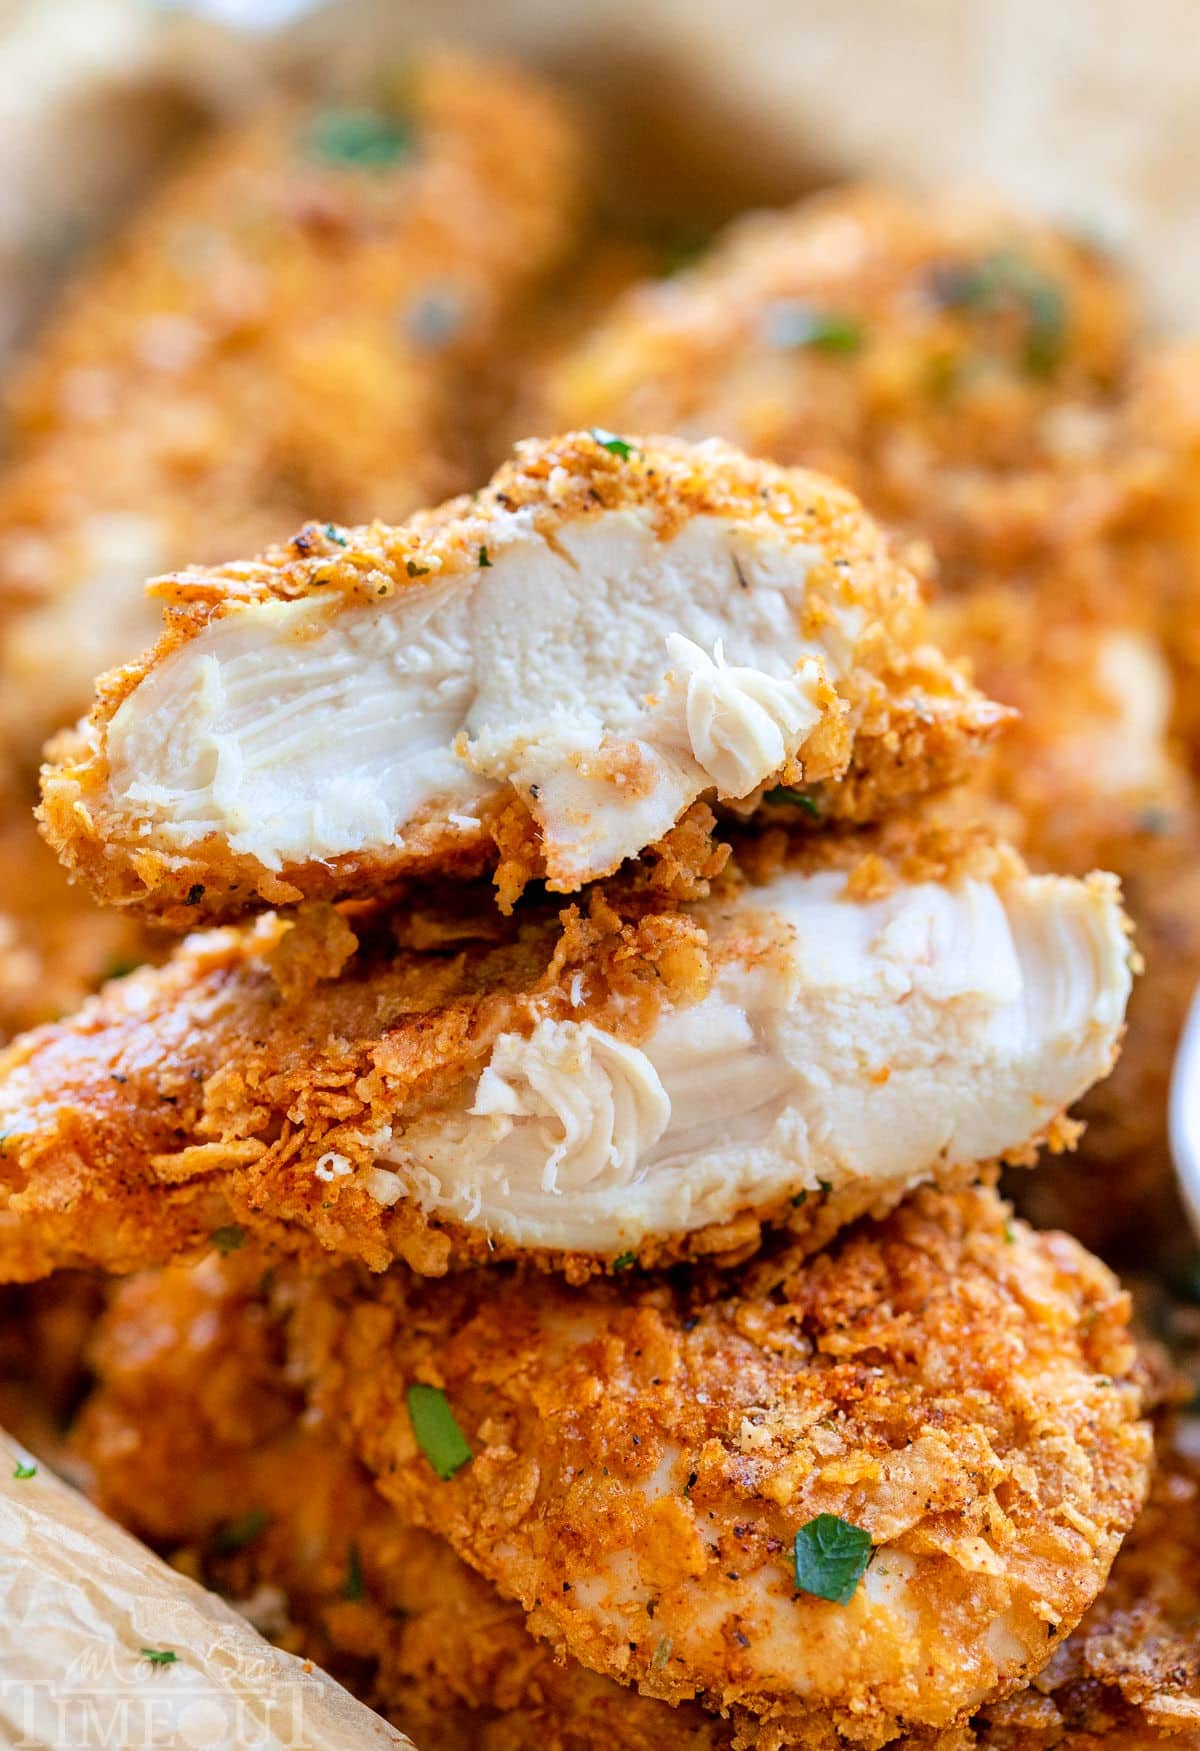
(570, 1296)
(608, 935)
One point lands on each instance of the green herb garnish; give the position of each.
(438, 1435)
(235, 1535)
(1006, 280)
(159, 1656)
(831, 1558)
(354, 1586)
(613, 444)
(21, 1470)
(783, 793)
(333, 533)
(796, 324)
(364, 139)
(414, 570)
(195, 894)
(118, 968)
(228, 1239)
(484, 559)
(623, 1261)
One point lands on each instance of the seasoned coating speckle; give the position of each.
(897, 722)
(643, 1454)
(298, 324)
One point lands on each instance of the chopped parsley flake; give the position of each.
(235, 1535)
(1010, 1234)
(414, 570)
(785, 795)
(228, 1239)
(484, 559)
(333, 533)
(21, 1470)
(1005, 280)
(799, 1200)
(438, 1434)
(354, 1586)
(825, 1185)
(623, 1261)
(613, 444)
(119, 968)
(796, 324)
(831, 1558)
(159, 1656)
(363, 139)
(195, 894)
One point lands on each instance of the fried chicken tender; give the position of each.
(610, 631)
(301, 318)
(196, 1441)
(644, 1454)
(951, 362)
(841, 1018)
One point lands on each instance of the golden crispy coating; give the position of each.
(196, 1441)
(1129, 1677)
(898, 720)
(56, 945)
(295, 326)
(644, 1453)
(311, 1093)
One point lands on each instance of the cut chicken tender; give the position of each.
(827, 1029)
(197, 1441)
(607, 633)
(644, 1455)
(304, 315)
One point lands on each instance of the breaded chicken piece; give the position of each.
(196, 1441)
(843, 1017)
(952, 362)
(649, 1462)
(56, 945)
(300, 318)
(610, 631)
